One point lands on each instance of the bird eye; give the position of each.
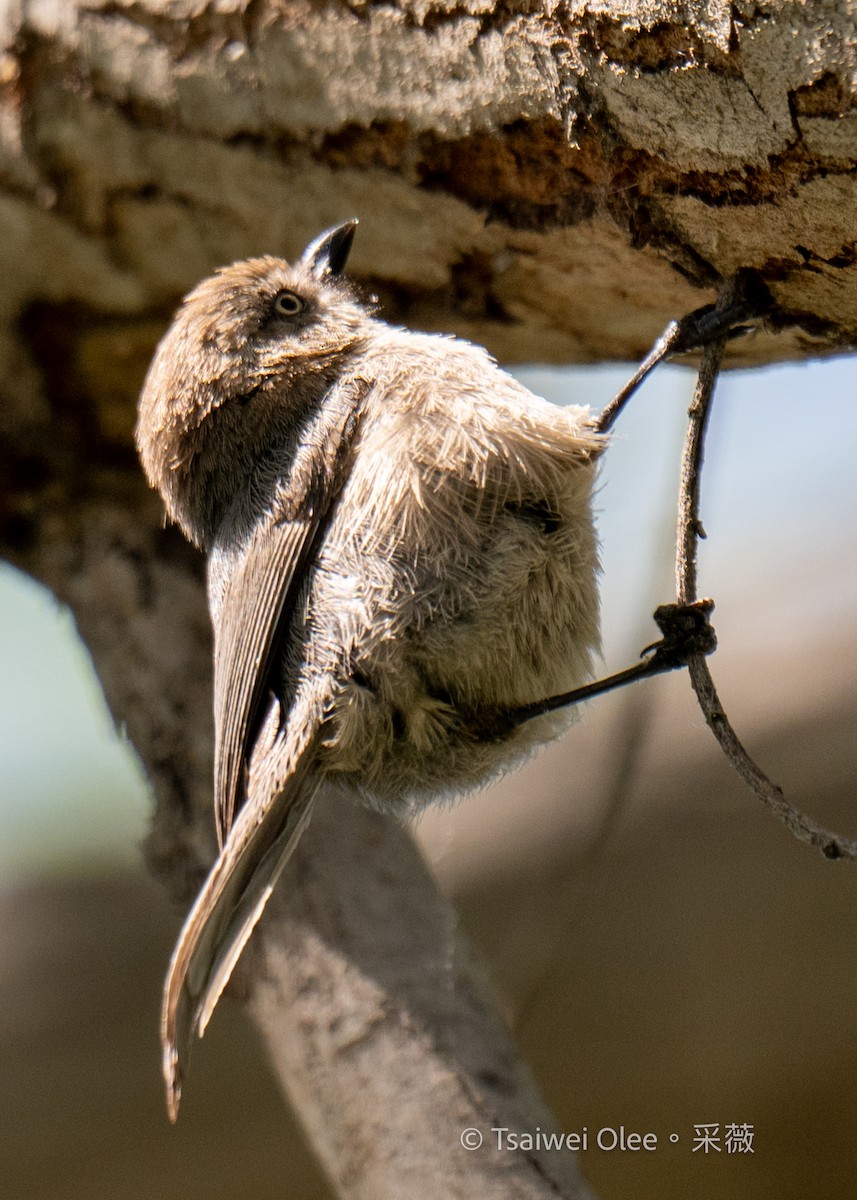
(288, 304)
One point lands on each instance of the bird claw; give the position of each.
(686, 630)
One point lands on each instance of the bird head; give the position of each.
(250, 353)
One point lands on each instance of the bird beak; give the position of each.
(328, 253)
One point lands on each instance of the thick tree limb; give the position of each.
(355, 1000)
(624, 155)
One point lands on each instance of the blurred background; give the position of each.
(667, 953)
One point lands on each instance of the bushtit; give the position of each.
(400, 544)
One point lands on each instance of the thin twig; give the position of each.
(689, 532)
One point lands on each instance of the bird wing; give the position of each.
(261, 594)
(264, 757)
(235, 893)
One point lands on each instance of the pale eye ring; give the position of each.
(288, 304)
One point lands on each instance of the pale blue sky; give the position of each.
(779, 505)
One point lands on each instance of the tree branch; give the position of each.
(689, 532)
(379, 1023)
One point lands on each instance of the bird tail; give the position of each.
(231, 902)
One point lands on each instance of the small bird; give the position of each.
(400, 547)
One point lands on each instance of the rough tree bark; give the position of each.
(552, 179)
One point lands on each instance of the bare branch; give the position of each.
(689, 532)
(379, 1023)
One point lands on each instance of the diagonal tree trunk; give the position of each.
(552, 179)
